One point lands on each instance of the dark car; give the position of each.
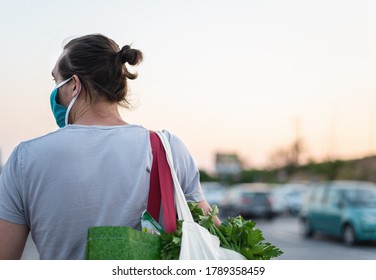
(345, 209)
(248, 200)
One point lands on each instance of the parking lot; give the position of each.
(284, 233)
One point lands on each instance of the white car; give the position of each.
(288, 198)
(214, 192)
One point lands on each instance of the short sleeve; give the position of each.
(11, 204)
(186, 169)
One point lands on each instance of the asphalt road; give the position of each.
(284, 233)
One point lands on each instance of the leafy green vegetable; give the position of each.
(171, 243)
(234, 233)
(243, 237)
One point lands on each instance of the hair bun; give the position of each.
(130, 56)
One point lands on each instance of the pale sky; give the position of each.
(229, 76)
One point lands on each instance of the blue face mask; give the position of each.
(60, 112)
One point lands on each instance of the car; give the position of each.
(249, 200)
(214, 192)
(288, 198)
(345, 209)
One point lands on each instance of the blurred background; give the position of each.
(270, 97)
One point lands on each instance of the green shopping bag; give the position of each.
(126, 243)
(122, 243)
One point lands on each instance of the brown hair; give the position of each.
(100, 64)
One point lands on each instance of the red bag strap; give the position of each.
(161, 185)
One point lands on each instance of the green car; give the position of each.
(345, 209)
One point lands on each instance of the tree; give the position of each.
(205, 177)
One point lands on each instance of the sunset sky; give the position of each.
(229, 76)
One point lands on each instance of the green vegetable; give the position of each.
(243, 237)
(171, 243)
(234, 233)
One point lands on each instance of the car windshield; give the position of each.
(255, 196)
(361, 197)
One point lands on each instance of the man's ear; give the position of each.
(76, 87)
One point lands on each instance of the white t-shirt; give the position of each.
(81, 176)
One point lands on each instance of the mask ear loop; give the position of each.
(71, 105)
(63, 82)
